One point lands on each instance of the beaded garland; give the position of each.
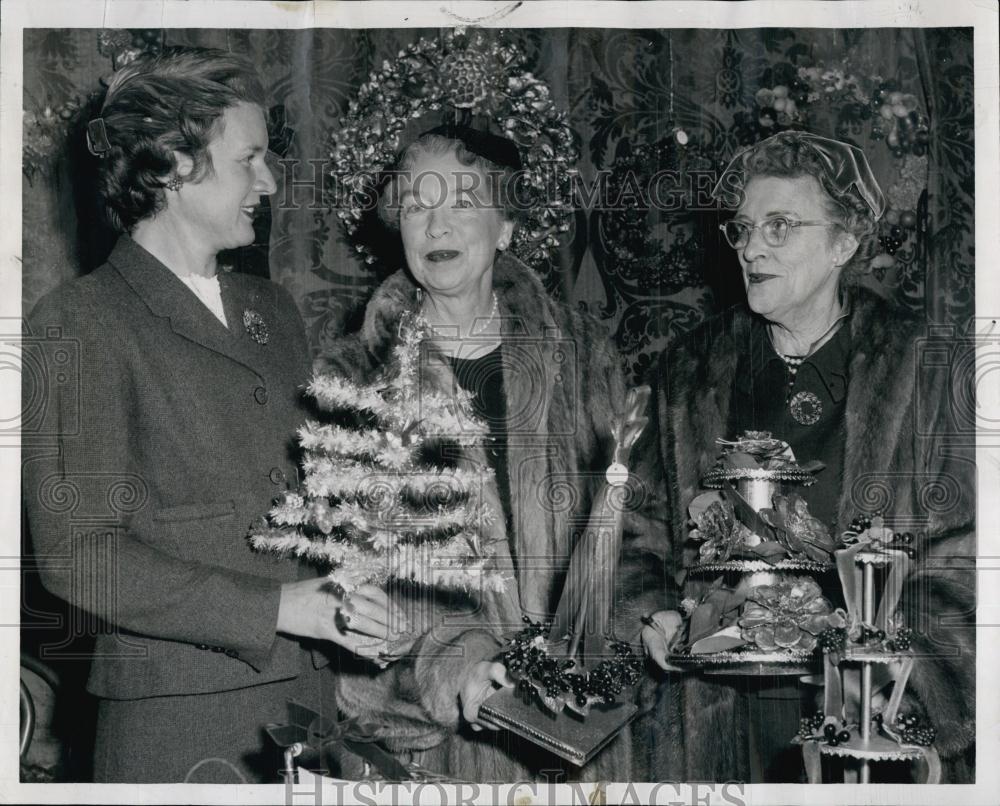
(552, 679)
(472, 74)
(903, 541)
(910, 729)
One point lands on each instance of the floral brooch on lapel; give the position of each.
(256, 326)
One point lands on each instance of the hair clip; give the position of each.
(97, 138)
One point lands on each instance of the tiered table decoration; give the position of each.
(873, 565)
(763, 611)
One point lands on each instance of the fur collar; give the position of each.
(879, 401)
(523, 303)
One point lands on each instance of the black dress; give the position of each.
(802, 402)
(483, 378)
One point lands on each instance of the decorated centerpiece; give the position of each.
(754, 604)
(868, 653)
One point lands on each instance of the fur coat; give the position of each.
(905, 452)
(563, 386)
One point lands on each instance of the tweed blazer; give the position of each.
(152, 437)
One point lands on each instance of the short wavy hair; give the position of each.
(438, 146)
(159, 104)
(792, 158)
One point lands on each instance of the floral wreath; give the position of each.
(472, 75)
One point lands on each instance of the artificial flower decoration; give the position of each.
(443, 80)
(758, 455)
(788, 615)
(799, 531)
(722, 533)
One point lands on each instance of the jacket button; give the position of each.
(260, 395)
(218, 649)
(201, 646)
(277, 475)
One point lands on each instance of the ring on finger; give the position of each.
(341, 619)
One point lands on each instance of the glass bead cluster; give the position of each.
(538, 672)
(901, 541)
(910, 728)
(913, 730)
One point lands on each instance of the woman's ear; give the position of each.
(184, 165)
(844, 247)
(506, 233)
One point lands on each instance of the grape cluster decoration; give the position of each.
(553, 680)
(914, 730)
(899, 541)
(819, 727)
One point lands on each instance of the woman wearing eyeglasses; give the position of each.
(836, 371)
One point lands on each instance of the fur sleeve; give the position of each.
(943, 614)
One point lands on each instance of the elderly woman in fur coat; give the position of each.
(837, 372)
(547, 382)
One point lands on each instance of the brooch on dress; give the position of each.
(256, 326)
(806, 408)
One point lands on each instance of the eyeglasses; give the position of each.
(775, 230)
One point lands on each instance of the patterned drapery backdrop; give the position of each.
(641, 102)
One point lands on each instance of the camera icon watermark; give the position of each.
(957, 383)
(47, 368)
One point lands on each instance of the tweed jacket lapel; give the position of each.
(168, 297)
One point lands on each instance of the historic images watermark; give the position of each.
(317, 791)
(316, 184)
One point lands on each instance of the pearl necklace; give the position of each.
(480, 329)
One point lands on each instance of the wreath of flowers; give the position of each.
(468, 74)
